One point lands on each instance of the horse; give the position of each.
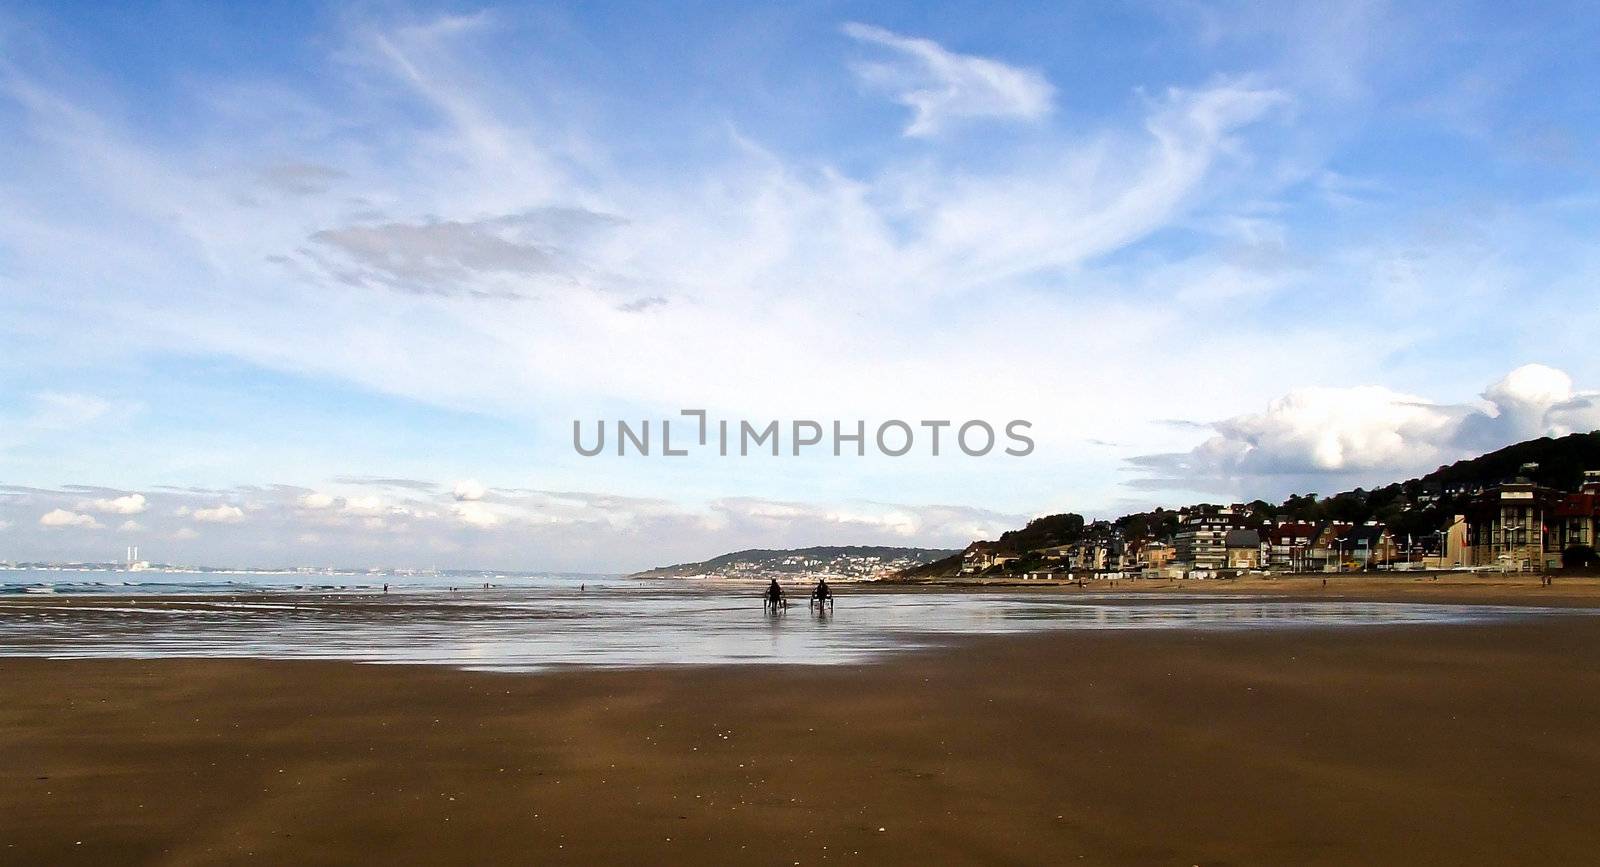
(820, 597)
(773, 601)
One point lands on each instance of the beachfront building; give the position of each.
(1155, 559)
(1509, 527)
(1286, 545)
(1244, 549)
(1326, 551)
(1577, 526)
(1452, 550)
(1366, 546)
(1202, 539)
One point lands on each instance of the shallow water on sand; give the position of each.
(555, 622)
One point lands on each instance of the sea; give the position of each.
(532, 622)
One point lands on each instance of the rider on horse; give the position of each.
(774, 595)
(822, 595)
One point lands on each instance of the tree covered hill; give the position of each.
(1416, 507)
(853, 561)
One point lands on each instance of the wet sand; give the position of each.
(1437, 744)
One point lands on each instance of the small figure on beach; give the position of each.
(386, 588)
(822, 595)
(774, 597)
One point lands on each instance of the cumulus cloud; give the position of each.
(317, 501)
(64, 518)
(941, 86)
(475, 515)
(128, 504)
(469, 489)
(225, 513)
(1531, 401)
(366, 506)
(1316, 437)
(510, 528)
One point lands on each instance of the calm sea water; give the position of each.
(526, 623)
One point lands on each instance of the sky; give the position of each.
(329, 284)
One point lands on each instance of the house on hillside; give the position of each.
(1055, 553)
(983, 556)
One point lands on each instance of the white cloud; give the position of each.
(128, 504)
(519, 528)
(1368, 432)
(368, 506)
(224, 513)
(64, 518)
(317, 501)
(753, 248)
(62, 410)
(475, 514)
(941, 86)
(1533, 400)
(469, 489)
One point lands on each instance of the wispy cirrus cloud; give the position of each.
(942, 87)
(454, 225)
(490, 257)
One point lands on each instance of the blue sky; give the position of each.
(328, 283)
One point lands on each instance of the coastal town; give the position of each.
(836, 563)
(1518, 525)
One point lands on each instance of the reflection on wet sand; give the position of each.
(634, 624)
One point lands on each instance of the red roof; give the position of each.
(1585, 505)
(1285, 534)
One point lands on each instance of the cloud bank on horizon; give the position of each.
(246, 290)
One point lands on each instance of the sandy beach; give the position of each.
(1439, 744)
